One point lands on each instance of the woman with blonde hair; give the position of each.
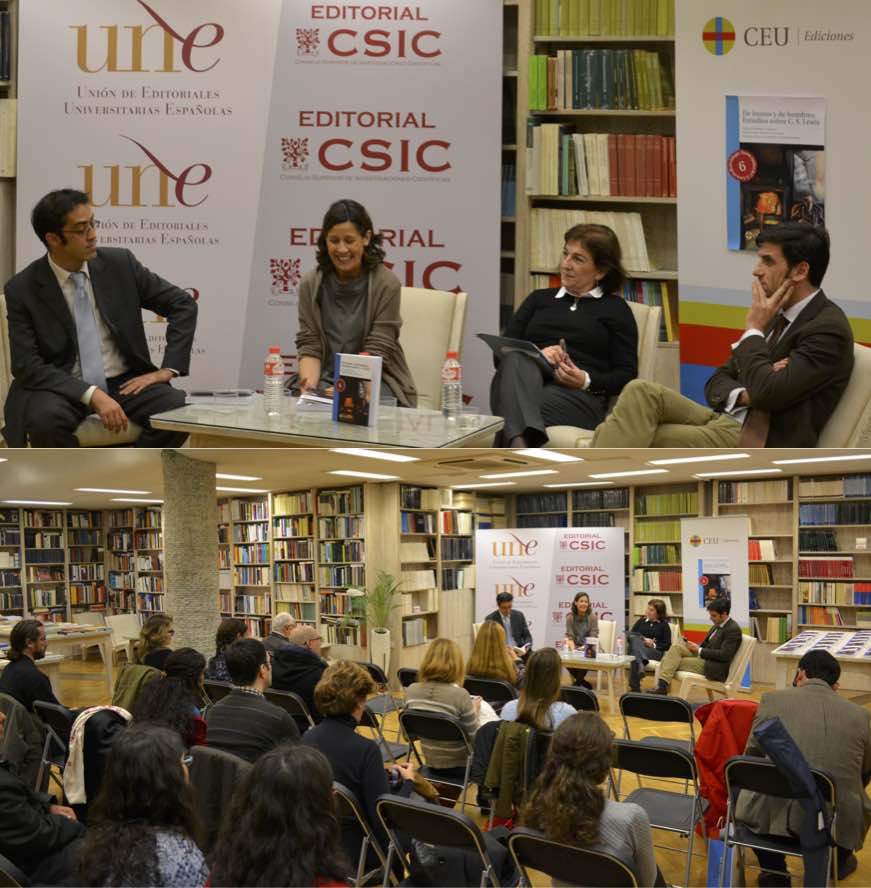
(153, 645)
(491, 657)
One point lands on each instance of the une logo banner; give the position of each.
(514, 547)
(132, 38)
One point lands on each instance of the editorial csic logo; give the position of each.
(286, 275)
(294, 153)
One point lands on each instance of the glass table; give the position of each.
(247, 425)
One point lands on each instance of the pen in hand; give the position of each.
(562, 345)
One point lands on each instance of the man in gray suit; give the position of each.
(833, 734)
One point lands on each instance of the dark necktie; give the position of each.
(755, 430)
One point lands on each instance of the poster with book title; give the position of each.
(356, 389)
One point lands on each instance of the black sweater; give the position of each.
(659, 631)
(249, 726)
(23, 680)
(601, 335)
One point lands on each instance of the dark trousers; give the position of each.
(50, 420)
(529, 403)
(774, 860)
(642, 653)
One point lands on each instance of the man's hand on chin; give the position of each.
(763, 308)
(109, 411)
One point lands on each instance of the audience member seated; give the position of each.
(539, 705)
(175, 699)
(229, 631)
(153, 646)
(440, 689)
(143, 828)
(299, 667)
(568, 804)
(36, 834)
(22, 678)
(649, 639)
(244, 722)
(834, 735)
(282, 625)
(712, 657)
(281, 827)
(517, 634)
(356, 760)
(581, 624)
(491, 657)
(588, 338)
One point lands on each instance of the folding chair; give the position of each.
(291, 703)
(407, 676)
(650, 707)
(574, 866)
(495, 691)
(58, 722)
(214, 776)
(10, 875)
(432, 825)
(669, 811)
(384, 702)
(390, 751)
(437, 727)
(348, 805)
(537, 747)
(758, 775)
(216, 690)
(582, 699)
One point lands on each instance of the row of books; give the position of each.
(352, 633)
(250, 533)
(762, 550)
(414, 631)
(601, 499)
(224, 562)
(258, 605)
(149, 518)
(508, 196)
(347, 550)
(151, 585)
(775, 630)
(417, 522)
(606, 18)
(122, 561)
(11, 601)
(656, 580)
(549, 226)
(542, 521)
(122, 600)
(417, 550)
(121, 580)
(9, 516)
(301, 611)
(252, 576)
(293, 549)
(84, 519)
(419, 497)
(593, 519)
(292, 503)
(120, 540)
(87, 572)
(657, 531)
(149, 602)
(87, 554)
(10, 536)
(42, 518)
(294, 572)
(44, 539)
(258, 627)
(678, 503)
(342, 576)
(292, 527)
(760, 575)
(43, 556)
(340, 502)
(249, 510)
(54, 574)
(151, 562)
(541, 502)
(147, 539)
(414, 580)
(9, 578)
(849, 485)
(421, 600)
(120, 518)
(602, 79)
(10, 559)
(834, 513)
(83, 538)
(295, 592)
(819, 566)
(46, 597)
(821, 616)
(457, 549)
(452, 521)
(821, 592)
(818, 541)
(753, 491)
(225, 602)
(341, 527)
(251, 553)
(662, 553)
(90, 593)
(454, 578)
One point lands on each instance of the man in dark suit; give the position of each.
(786, 373)
(712, 657)
(834, 735)
(513, 622)
(77, 339)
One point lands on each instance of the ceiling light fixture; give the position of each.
(816, 459)
(485, 484)
(680, 460)
(240, 490)
(223, 476)
(373, 476)
(111, 490)
(527, 474)
(550, 455)
(581, 484)
(386, 455)
(34, 503)
(737, 474)
(128, 500)
(633, 474)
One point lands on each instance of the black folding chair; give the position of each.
(293, 704)
(216, 690)
(214, 776)
(537, 746)
(759, 775)
(670, 811)
(494, 690)
(58, 723)
(390, 751)
(651, 707)
(348, 805)
(437, 727)
(432, 825)
(582, 699)
(574, 866)
(10, 875)
(406, 675)
(384, 702)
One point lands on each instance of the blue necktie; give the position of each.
(90, 357)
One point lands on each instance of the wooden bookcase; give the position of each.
(293, 556)
(45, 564)
(148, 546)
(225, 561)
(11, 579)
(120, 562)
(252, 582)
(420, 587)
(86, 562)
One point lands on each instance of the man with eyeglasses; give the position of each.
(78, 343)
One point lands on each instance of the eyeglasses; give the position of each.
(83, 228)
(187, 760)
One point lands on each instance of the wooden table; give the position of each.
(609, 664)
(855, 670)
(50, 665)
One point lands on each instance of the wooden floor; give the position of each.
(76, 692)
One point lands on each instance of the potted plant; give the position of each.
(380, 604)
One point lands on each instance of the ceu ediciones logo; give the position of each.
(718, 36)
(695, 540)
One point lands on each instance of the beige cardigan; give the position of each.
(383, 323)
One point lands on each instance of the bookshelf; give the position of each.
(45, 564)
(457, 564)
(148, 546)
(420, 560)
(11, 581)
(8, 131)
(542, 509)
(249, 554)
(86, 562)
(225, 562)
(293, 556)
(120, 562)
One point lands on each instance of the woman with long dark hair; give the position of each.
(229, 631)
(539, 705)
(174, 700)
(281, 827)
(143, 829)
(648, 639)
(350, 304)
(581, 624)
(569, 806)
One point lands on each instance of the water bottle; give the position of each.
(452, 387)
(620, 649)
(273, 382)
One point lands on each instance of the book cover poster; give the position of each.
(715, 579)
(775, 164)
(356, 389)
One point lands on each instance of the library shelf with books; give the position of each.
(456, 561)
(148, 544)
(11, 581)
(45, 565)
(120, 562)
(225, 563)
(541, 509)
(252, 582)
(9, 10)
(86, 561)
(419, 528)
(293, 556)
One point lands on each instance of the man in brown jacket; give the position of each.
(833, 735)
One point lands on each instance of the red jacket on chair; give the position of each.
(726, 725)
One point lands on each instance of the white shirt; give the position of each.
(113, 361)
(791, 313)
(595, 293)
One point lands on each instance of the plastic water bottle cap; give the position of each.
(274, 350)
(453, 354)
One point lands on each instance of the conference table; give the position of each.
(50, 665)
(248, 425)
(611, 665)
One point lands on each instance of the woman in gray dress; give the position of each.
(581, 624)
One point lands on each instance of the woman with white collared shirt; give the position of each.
(588, 335)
